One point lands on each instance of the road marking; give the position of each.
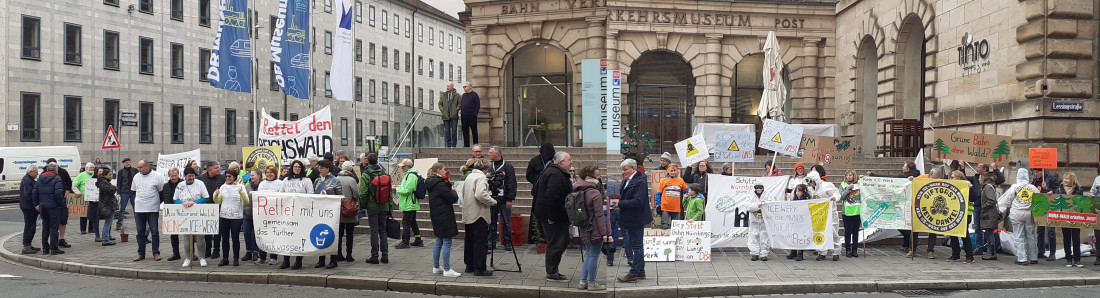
(9, 276)
(9, 207)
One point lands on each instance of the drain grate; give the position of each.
(915, 293)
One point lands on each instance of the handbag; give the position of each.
(393, 228)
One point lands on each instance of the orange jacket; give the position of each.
(668, 202)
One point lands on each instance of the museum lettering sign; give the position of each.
(653, 16)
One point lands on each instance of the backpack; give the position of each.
(349, 208)
(576, 209)
(420, 190)
(382, 186)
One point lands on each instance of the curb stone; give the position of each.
(1053, 282)
(357, 283)
(475, 290)
(239, 277)
(569, 292)
(776, 288)
(172, 275)
(709, 290)
(981, 284)
(311, 280)
(845, 286)
(647, 292)
(894, 285)
(412, 286)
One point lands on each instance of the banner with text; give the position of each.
(972, 147)
(735, 146)
(230, 66)
(783, 138)
(261, 157)
(199, 219)
(830, 151)
(692, 150)
(692, 240)
(166, 162)
(1065, 211)
(290, 48)
(729, 219)
(614, 110)
(78, 207)
(939, 206)
(294, 224)
(594, 100)
(659, 249)
(309, 135)
(800, 224)
(886, 203)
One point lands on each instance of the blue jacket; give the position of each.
(26, 199)
(48, 192)
(510, 183)
(634, 203)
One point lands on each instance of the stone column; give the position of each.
(708, 105)
(805, 97)
(596, 32)
(479, 77)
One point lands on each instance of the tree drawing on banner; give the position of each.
(1082, 204)
(1040, 205)
(1002, 151)
(1061, 204)
(941, 149)
(726, 204)
(633, 141)
(668, 252)
(1095, 205)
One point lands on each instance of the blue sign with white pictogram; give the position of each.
(322, 236)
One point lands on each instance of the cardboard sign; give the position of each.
(781, 137)
(199, 219)
(659, 249)
(166, 162)
(886, 203)
(1043, 158)
(733, 146)
(939, 206)
(424, 165)
(830, 151)
(692, 240)
(802, 224)
(91, 191)
(725, 206)
(309, 135)
(972, 147)
(692, 150)
(1065, 211)
(78, 207)
(293, 224)
(261, 157)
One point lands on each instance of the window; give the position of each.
(204, 63)
(408, 95)
(110, 50)
(450, 42)
(328, 85)
(450, 72)
(328, 6)
(271, 22)
(276, 115)
(359, 50)
(293, 117)
(72, 118)
(146, 56)
(408, 62)
(30, 120)
(420, 32)
(370, 90)
(274, 81)
(441, 38)
(420, 98)
(385, 58)
(177, 60)
(111, 114)
(343, 131)
(251, 127)
(370, 53)
(420, 65)
(313, 78)
(396, 60)
(385, 91)
(32, 39)
(396, 24)
(204, 13)
(370, 15)
(440, 70)
(328, 42)
(396, 95)
(358, 88)
(373, 127)
(431, 98)
(385, 20)
(145, 111)
(230, 127)
(359, 11)
(72, 44)
(204, 125)
(177, 10)
(431, 67)
(431, 35)
(145, 6)
(177, 124)
(385, 130)
(459, 74)
(358, 132)
(408, 28)
(111, 2)
(459, 45)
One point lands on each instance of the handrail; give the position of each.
(404, 137)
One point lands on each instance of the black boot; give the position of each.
(320, 262)
(418, 242)
(332, 264)
(247, 257)
(297, 263)
(855, 251)
(799, 257)
(224, 262)
(792, 255)
(285, 264)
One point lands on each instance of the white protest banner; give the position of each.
(176, 161)
(692, 240)
(199, 219)
(659, 249)
(294, 224)
(728, 217)
(299, 139)
(886, 203)
(781, 137)
(800, 224)
(733, 146)
(692, 150)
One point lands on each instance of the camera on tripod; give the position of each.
(496, 184)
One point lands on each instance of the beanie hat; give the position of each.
(799, 165)
(125, 159)
(189, 171)
(666, 156)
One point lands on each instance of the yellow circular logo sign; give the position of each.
(262, 157)
(819, 239)
(940, 206)
(1024, 195)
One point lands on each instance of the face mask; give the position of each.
(759, 191)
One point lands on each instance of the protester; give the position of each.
(820, 169)
(311, 172)
(666, 159)
(108, 206)
(801, 193)
(213, 179)
(350, 188)
(934, 173)
(908, 170)
(409, 205)
(450, 102)
(799, 177)
(698, 175)
(597, 231)
(976, 192)
(553, 186)
(819, 189)
(271, 183)
(441, 201)
(296, 182)
(126, 196)
(1095, 191)
(770, 170)
(727, 169)
(636, 214)
(79, 187)
(147, 186)
(954, 240)
(167, 195)
(849, 192)
(1071, 237)
(48, 197)
(192, 191)
(502, 211)
(476, 205)
(62, 218)
(252, 250)
(27, 204)
(670, 192)
(376, 200)
(327, 184)
(232, 197)
(476, 152)
(470, 106)
(758, 234)
(1020, 217)
(695, 203)
(1046, 182)
(990, 215)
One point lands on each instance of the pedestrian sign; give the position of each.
(110, 141)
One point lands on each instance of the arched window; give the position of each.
(538, 109)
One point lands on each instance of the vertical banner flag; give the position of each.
(292, 224)
(729, 219)
(886, 203)
(692, 150)
(231, 56)
(177, 161)
(781, 137)
(312, 134)
(614, 110)
(939, 206)
(290, 48)
(199, 219)
(341, 76)
(594, 100)
(734, 146)
(692, 240)
(261, 157)
(800, 224)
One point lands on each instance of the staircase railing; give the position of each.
(404, 137)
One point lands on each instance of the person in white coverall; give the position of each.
(758, 234)
(1018, 198)
(826, 190)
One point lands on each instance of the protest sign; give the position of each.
(726, 205)
(261, 157)
(294, 224)
(732, 146)
(166, 162)
(199, 219)
(939, 206)
(692, 150)
(91, 191)
(972, 147)
(1065, 211)
(424, 165)
(830, 151)
(886, 203)
(692, 240)
(781, 137)
(800, 224)
(1043, 158)
(309, 135)
(659, 249)
(78, 207)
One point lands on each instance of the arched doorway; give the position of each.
(426, 139)
(662, 99)
(748, 88)
(867, 95)
(911, 54)
(537, 79)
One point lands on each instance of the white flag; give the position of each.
(341, 76)
(920, 161)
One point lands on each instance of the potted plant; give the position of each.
(536, 236)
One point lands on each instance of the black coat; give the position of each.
(168, 192)
(212, 183)
(634, 203)
(538, 163)
(126, 179)
(26, 188)
(510, 184)
(441, 201)
(107, 200)
(553, 185)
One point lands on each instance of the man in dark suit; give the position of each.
(634, 215)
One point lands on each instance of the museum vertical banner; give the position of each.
(614, 111)
(231, 56)
(594, 102)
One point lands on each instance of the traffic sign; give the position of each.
(129, 123)
(110, 141)
(128, 115)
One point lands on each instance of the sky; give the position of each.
(452, 7)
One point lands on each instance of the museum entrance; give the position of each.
(539, 110)
(662, 101)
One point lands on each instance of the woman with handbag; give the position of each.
(441, 200)
(349, 211)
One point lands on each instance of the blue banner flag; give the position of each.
(290, 48)
(231, 57)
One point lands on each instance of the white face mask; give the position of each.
(759, 191)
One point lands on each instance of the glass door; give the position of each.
(663, 111)
(542, 110)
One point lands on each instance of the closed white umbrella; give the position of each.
(775, 92)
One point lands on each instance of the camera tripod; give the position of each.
(492, 252)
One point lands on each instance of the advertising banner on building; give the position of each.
(939, 206)
(290, 48)
(830, 151)
(726, 205)
(231, 56)
(166, 162)
(886, 203)
(800, 224)
(199, 219)
(971, 147)
(292, 224)
(692, 150)
(614, 110)
(1065, 211)
(261, 157)
(594, 100)
(692, 240)
(309, 135)
(781, 137)
(732, 146)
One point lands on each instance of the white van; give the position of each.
(15, 160)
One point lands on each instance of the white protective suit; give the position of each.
(826, 190)
(759, 242)
(1016, 202)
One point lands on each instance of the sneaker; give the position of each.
(451, 273)
(931, 255)
(401, 246)
(909, 255)
(202, 262)
(108, 243)
(437, 270)
(1051, 258)
(1069, 265)
(820, 257)
(1034, 262)
(418, 243)
(187, 263)
(836, 258)
(764, 258)
(596, 287)
(27, 250)
(1079, 265)
(952, 259)
(272, 261)
(968, 262)
(556, 277)
(610, 263)
(582, 286)
(755, 258)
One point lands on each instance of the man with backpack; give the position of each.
(503, 209)
(553, 186)
(409, 193)
(375, 189)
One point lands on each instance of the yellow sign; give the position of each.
(261, 157)
(691, 149)
(1024, 194)
(819, 218)
(939, 206)
(777, 139)
(733, 146)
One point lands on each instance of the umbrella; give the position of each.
(775, 92)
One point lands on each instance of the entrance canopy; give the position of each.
(708, 130)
